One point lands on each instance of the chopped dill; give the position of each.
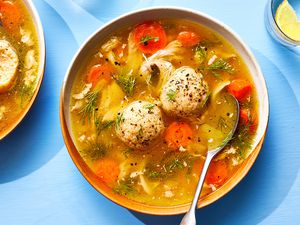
(127, 83)
(100, 126)
(177, 163)
(171, 95)
(120, 119)
(200, 53)
(170, 165)
(87, 111)
(95, 150)
(205, 101)
(125, 187)
(242, 140)
(221, 65)
(222, 124)
(149, 106)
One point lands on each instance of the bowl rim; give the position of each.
(177, 209)
(30, 7)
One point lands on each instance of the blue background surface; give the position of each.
(39, 183)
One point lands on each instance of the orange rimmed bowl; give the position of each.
(135, 18)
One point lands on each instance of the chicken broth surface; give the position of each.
(145, 107)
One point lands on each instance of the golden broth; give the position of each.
(24, 40)
(158, 175)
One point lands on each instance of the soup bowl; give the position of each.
(41, 67)
(135, 18)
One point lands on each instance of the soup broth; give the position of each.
(142, 106)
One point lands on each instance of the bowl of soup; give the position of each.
(139, 109)
(22, 61)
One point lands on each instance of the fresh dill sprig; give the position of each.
(171, 95)
(127, 83)
(100, 126)
(221, 65)
(119, 120)
(87, 111)
(95, 150)
(170, 165)
(242, 140)
(222, 124)
(200, 53)
(125, 187)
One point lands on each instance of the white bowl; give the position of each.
(136, 17)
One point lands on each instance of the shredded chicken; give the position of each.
(111, 44)
(160, 61)
(85, 90)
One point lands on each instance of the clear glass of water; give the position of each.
(275, 30)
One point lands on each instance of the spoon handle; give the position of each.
(189, 218)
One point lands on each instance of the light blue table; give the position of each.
(40, 185)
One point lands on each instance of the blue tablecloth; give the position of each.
(39, 183)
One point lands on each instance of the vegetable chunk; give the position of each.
(150, 37)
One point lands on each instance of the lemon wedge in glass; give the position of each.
(287, 20)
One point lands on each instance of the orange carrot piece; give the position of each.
(100, 71)
(217, 173)
(188, 38)
(240, 89)
(107, 170)
(10, 16)
(249, 119)
(178, 134)
(150, 37)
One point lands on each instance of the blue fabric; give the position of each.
(39, 184)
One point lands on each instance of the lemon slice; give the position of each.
(287, 20)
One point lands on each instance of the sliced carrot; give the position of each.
(249, 119)
(100, 71)
(217, 173)
(240, 89)
(178, 134)
(188, 38)
(107, 170)
(10, 15)
(244, 115)
(150, 37)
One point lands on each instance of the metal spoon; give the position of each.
(213, 149)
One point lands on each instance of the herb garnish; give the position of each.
(200, 53)
(127, 83)
(95, 150)
(171, 95)
(221, 65)
(125, 187)
(90, 105)
(100, 126)
(170, 165)
(120, 119)
(222, 124)
(145, 39)
(149, 106)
